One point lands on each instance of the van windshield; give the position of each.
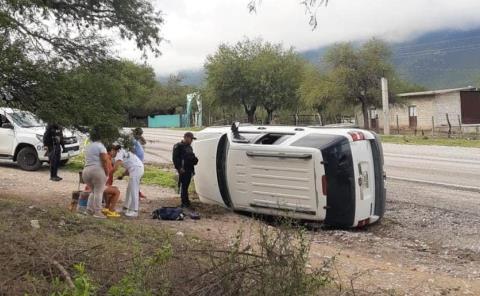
(26, 119)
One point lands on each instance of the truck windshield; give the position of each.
(26, 119)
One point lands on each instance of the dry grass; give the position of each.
(70, 255)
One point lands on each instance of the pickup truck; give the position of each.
(21, 139)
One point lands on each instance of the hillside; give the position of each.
(443, 59)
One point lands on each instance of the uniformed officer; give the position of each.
(53, 142)
(185, 161)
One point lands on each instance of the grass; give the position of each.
(153, 175)
(72, 255)
(157, 176)
(424, 140)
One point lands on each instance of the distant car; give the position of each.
(334, 175)
(21, 139)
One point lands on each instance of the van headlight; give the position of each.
(40, 138)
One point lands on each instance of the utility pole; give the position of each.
(385, 107)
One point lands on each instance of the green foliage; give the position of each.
(82, 284)
(136, 282)
(356, 73)
(253, 73)
(157, 176)
(78, 26)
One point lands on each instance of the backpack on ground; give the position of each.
(168, 213)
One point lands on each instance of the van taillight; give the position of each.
(357, 136)
(363, 222)
(324, 185)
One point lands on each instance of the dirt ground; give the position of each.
(418, 249)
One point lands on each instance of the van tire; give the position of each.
(28, 160)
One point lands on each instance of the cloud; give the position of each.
(196, 28)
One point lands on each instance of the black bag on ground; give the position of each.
(168, 213)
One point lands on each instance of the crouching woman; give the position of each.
(134, 169)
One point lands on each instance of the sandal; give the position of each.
(113, 214)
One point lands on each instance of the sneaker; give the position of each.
(131, 214)
(56, 179)
(105, 211)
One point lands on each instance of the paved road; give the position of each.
(434, 164)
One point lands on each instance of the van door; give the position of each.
(7, 137)
(273, 179)
(365, 178)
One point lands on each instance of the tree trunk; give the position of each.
(366, 123)
(250, 113)
(269, 116)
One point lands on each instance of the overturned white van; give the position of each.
(334, 175)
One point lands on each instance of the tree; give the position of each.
(280, 74)
(253, 73)
(311, 8)
(72, 29)
(318, 91)
(357, 72)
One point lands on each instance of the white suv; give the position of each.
(334, 175)
(21, 139)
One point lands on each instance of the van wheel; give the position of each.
(28, 160)
(63, 162)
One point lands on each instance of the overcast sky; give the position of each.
(195, 28)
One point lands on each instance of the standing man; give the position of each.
(134, 169)
(53, 142)
(185, 161)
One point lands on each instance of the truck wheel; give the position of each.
(28, 160)
(63, 162)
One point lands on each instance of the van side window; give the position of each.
(3, 120)
(272, 139)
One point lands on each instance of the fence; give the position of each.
(454, 127)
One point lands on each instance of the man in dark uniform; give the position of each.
(184, 160)
(53, 141)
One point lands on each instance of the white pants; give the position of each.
(133, 189)
(95, 178)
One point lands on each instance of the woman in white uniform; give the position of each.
(134, 168)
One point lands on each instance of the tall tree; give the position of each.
(253, 73)
(357, 72)
(318, 91)
(77, 29)
(280, 73)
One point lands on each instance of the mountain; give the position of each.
(442, 59)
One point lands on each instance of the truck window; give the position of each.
(272, 139)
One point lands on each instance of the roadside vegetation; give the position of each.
(153, 175)
(50, 251)
(424, 140)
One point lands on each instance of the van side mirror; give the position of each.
(7, 125)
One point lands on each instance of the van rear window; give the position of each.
(318, 141)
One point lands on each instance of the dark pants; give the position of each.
(184, 181)
(54, 156)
